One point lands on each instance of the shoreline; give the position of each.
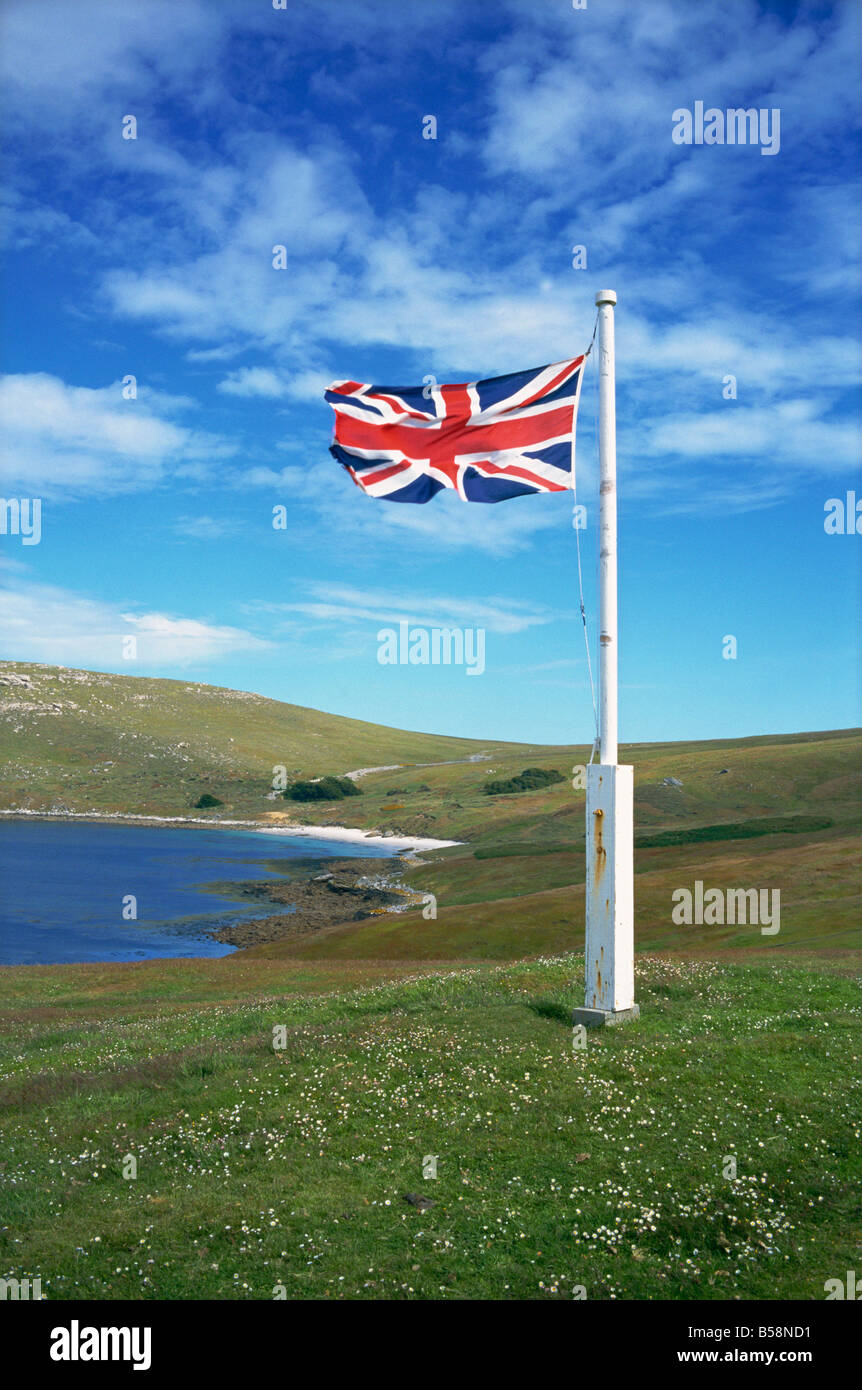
(316, 895)
(342, 834)
(318, 890)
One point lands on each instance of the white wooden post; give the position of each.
(609, 996)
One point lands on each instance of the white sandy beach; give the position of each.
(344, 834)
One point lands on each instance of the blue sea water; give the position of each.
(62, 885)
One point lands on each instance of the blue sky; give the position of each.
(303, 127)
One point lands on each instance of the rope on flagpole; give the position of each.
(593, 339)
(595, 747)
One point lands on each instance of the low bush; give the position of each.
(323, 789)
(527, 781)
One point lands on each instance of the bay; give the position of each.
(63, 886)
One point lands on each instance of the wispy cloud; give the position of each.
(797, 432)
(320, 493)
(206, 528)
(341, 603)
(76, 440)
(42, 622)
(253, 381)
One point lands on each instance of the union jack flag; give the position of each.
(489, 440)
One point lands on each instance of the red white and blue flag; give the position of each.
(489, 440)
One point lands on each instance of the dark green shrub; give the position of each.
(326, 789)
(527, 781)
(204, 802)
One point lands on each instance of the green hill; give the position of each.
(85, 740)
(780, 811)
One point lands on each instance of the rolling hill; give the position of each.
(780, 811)
(85, 740)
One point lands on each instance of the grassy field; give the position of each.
(609, 1168)
(264, 1171)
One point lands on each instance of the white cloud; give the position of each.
(253, 381)
(205, 528)
(42, 622)
(716, 342)
(309, 385)
(77, 440)
(263, 381)
(97, 43)
(787, 432)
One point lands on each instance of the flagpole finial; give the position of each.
(606, 297)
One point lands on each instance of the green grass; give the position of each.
(738, 830)
(524, 851)
(503, 908)
(556, 1167)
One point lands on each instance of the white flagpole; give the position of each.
(609, 889)
(606, 299)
